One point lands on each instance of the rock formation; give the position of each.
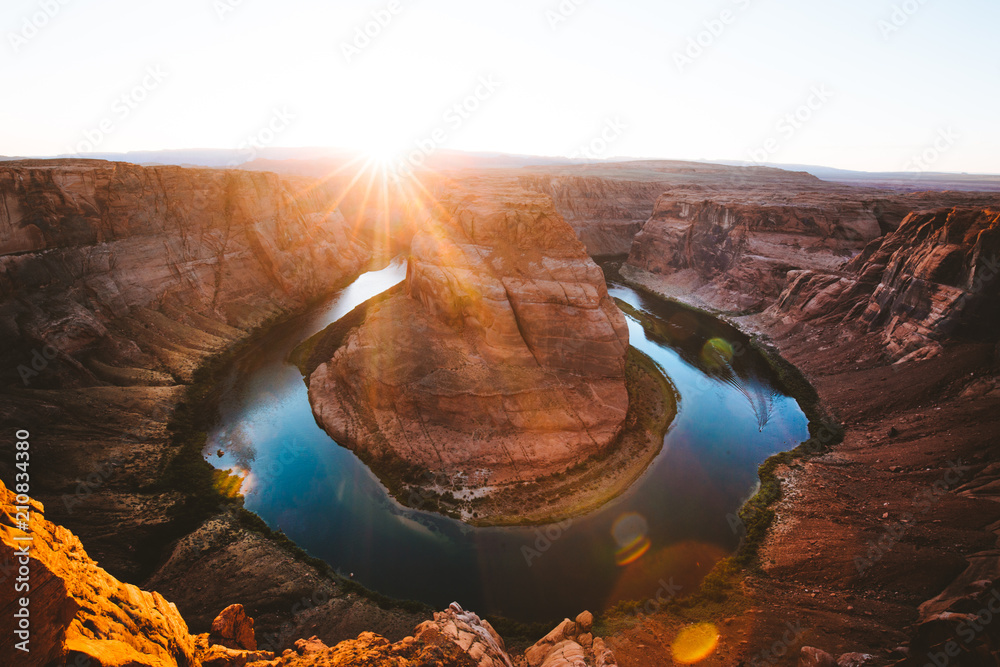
(608, 204)
(570, 644)
(81, 614)
(606, 212)
(935, 276)
(78, 608)
(732, 249)
(85, 244)
(503, 354)
(116, 283)
(744, 246)
(232, 628)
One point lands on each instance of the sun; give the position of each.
(386, 157)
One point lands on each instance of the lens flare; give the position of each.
(633, 552)
(631, 533)
(695, 643)
(717, 353)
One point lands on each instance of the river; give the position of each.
(672, 525)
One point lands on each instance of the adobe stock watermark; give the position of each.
(597, 148)
(563, 12)
(667, 593)
(923, 503)
(365, 35)
(713, 30)
(93, 482)
(39, 362)
(280, 120)
(544, 539)
(454, 118)
(945, 140)
(974, 625)
(223, 8)
(901, 15)
(33, 23)
(791, 124)
(122, 108)
(780, 648)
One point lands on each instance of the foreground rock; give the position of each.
(571, 644)
(78, 609)
(232, 628)
(81, 614)
(503, 358)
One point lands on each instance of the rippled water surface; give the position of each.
(672, 522)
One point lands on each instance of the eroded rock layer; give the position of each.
(116, 283)
(732, 249)
(934, 277)
(85, 243)
(504, 357)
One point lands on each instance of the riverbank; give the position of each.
(598, 480)
(551, 499)
(853, 542)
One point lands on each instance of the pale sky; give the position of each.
(600, 73)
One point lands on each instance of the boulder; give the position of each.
(814, 657)
(571, 644)
(232, 628)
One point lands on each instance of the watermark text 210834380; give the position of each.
(22, 516)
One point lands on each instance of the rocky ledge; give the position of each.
(80, 614)
(502, 358)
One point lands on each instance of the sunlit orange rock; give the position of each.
(503, 357)
(232, 628)
(78, 608)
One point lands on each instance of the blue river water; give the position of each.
(731, 417)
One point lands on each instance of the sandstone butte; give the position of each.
(503, 357)
(81, 615)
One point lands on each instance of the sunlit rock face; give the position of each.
(95, 255)
(77, 609)
(504, 357)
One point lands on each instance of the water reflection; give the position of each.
(669, 527)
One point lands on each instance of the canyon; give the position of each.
(511, 362)
(83, 615)
(118, 283)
